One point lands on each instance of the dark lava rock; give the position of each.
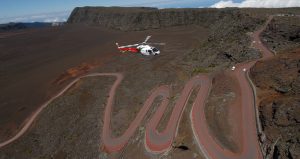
(283, 89)
(283, 33)
(228, 42)
(280, 119)
(279, 108)
(280, 74)
(182, 147)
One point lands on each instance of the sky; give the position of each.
(59, 10)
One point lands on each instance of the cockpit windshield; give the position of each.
(155, 49)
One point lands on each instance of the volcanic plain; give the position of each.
(36, 64)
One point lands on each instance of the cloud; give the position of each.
(258, 4)
(43, 17)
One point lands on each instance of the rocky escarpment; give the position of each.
(132, 18)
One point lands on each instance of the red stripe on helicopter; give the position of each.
(130, 49)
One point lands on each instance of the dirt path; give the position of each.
(157, 142)
(259, 45)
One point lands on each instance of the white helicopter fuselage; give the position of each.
(148, 50)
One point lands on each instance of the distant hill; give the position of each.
(19, 26)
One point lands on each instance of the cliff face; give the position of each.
(131, 18)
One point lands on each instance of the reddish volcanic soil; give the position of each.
(34, 60)
(38, 63)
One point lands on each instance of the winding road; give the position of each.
(157, 142)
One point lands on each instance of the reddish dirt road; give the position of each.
(250, 148)
(207, 143)
(258, 44)
(154, 141)
(34, 115)
(157, 142)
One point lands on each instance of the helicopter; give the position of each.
(144, 48)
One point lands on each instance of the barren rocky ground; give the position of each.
(221, 113)
(283, 33)
(278, 84)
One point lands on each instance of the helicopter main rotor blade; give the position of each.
(147, 38)
(156, 43)
(130, 45)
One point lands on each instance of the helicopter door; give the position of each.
(150, 52)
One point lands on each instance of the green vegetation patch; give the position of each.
(198, 70)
